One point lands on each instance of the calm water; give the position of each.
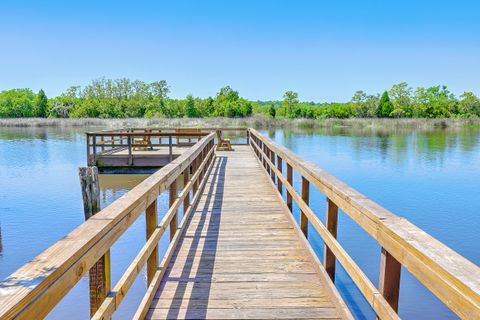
(428, 177)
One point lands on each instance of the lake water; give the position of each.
(429, 177)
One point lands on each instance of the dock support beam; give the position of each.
(99, 274)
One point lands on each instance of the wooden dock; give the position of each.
(241, 255)
(238, 252)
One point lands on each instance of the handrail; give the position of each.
(33, 290)
(449, 276)
(113, 141)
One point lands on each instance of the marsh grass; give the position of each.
(257, 121)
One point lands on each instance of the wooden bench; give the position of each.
(223, 144)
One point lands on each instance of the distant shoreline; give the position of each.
(255, 121)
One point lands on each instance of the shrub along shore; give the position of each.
(123, 98)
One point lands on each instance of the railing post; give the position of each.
(130, 157)
(172, 198)
(331, 224)
(89, 158)
(186, 202)
(151, 218)
(389, 282)
(99, 274)
(272, 159)
(248, 137)
(264, 155)
(306, 199)
(280, 168)
(290, 181)
(170, 149)
(194, 170)
(94, 145)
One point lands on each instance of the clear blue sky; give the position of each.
(324, 50)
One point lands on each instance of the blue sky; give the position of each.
(324, 50)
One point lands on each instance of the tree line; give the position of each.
(123, 98)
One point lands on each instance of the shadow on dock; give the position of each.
(214, 201)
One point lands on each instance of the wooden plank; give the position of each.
(244, 313)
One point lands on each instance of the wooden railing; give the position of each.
(110, 141)
(449, 276)
(34, 290)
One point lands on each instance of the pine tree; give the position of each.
(41, 105)
(385, 107)
(190, 108)
(271, 111)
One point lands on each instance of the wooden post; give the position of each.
(194, 170)
(94, 145)
(99, 274)
(248, 137)
(389, 282)
(186, 202)
(151, 218)
(170, 149)
(280, 168)
(272, 159)
(267, 156)
(290, 181)
(130, 157)
(306, 199)
(331, 224)
(89, 158)
(172, 198)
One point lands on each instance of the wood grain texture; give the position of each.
(240, 256)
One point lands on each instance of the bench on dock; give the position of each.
(238, 252)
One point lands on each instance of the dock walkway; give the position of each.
(241, 255)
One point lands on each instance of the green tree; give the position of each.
(290, 102)
(469, 105)
(191, 110)
(385, 107)
(401, 95)
(363, 105)
(41, 105)
(16, 103)
(272, 111)
(433, 102)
